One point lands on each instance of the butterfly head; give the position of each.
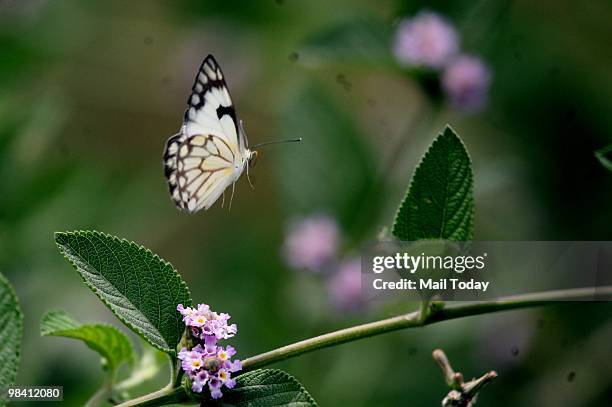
(252, 159)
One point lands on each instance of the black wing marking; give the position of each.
(210, 101)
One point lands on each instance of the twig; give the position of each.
(462, 394)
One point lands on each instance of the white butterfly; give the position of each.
(210, 152)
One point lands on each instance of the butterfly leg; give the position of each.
(249, 178)
(223, 199)
(229, 208)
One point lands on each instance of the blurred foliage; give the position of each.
(359, 42)
(89, 92)
(11, 333)
(603, 155)
(333, 157)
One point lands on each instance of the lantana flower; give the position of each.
(312, 242)
(345, 286)
(426, 40)
(466, 83)
(208, 363)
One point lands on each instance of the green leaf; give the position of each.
(440, 202)
(604, 155)
(356, 41)
(11, 332)
(108, 341)
(139, 287)
(266, 388)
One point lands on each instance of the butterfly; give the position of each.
(210, 151)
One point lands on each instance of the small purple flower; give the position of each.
(225, 378)
(203, 308)
(466, 83)
(233, 366)
(205, 323)
(187, 313)
(221, 329)
(207, 363)
(425, 40)
(311, 242)
(225, 354)
(214, 384)
(210, 345)
(192, 360)
(345, 285)
(199, 380)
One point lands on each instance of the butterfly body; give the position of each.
(210, 152)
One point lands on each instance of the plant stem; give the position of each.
(169, 394)
(175, 372)
(98, 397)
(105, 391)
(413, 320)
(159, 398)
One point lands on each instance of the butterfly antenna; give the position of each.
(295, 140)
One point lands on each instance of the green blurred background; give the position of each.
(90, 91)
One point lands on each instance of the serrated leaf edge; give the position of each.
(404, 202)
(291, 378)
(95, 290)
(600, 154)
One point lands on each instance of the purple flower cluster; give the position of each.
(312, 244)
(427, 40)
(466, 81)
(345, 285)
(208, 363)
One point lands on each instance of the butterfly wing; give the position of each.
(207, 155)
(211, 110)
(198, 169)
